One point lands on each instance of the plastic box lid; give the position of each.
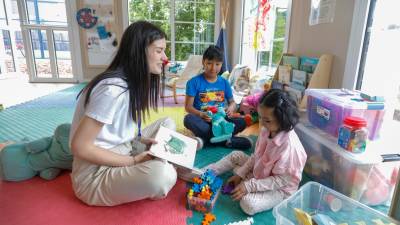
(345, 98)
(367, 157)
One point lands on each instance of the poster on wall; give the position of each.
(322, 11)
(98, 26)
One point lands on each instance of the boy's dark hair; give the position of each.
(213, 53)
(285, 108)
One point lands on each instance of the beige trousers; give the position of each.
(108, 186)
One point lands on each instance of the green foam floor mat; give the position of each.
(39, 117)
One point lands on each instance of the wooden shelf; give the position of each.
(319, 79)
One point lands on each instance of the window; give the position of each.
(46, 12)
(3, 18)
(189, 25)
(378, 73)
(271, 39)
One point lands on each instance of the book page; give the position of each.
(174, 147)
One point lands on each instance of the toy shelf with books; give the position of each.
(301, 72)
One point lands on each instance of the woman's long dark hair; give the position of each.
(131, 57)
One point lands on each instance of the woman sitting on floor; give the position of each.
(107, 168)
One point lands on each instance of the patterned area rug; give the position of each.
(226, 210)
(30, 200)
(39, 117)
(38, 202)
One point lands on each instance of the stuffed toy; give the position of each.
(221, 129)
(249, 103)
(45, 157)
(250, 118)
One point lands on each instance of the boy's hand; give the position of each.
(230, 110)
(205, 117)
(239, 191)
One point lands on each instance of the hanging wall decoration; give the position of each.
(261, 24)
(101, 36)
(85, 18)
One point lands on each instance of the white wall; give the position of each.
(330, 38)
(333, 38)
(233, 29)
(307, 40)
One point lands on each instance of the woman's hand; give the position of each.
(148, 142)
(239, 191)
(141, 157)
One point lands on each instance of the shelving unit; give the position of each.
(320, 77)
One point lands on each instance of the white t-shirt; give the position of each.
(108, 104)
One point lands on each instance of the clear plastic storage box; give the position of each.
(202, 205)
(318, 201)
(361, 176)
(327, 108)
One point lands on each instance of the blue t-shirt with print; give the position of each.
(208, 94)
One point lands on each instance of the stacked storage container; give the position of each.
(363, 177)
(327, 108)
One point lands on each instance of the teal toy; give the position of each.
(45, 157)
(221, 129)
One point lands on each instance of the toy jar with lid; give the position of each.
(353, 134)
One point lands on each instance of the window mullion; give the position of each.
(194, 27)
(172, 24)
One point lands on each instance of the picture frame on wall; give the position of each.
(98, 31)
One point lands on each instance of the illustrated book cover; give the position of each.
(174, 147)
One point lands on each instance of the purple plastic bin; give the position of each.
(327, 108)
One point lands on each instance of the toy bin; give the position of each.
(204, 192)
(327, 108)
(200, 204)
(324, 204)
(361, 176)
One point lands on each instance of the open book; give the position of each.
(174, 147)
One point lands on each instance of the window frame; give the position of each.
(355, 47)
(257, 54)
(125, 22)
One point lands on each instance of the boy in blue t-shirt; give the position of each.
(209, 89)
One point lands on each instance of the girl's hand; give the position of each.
(148, 142)
(235, 180)
(239, 191)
